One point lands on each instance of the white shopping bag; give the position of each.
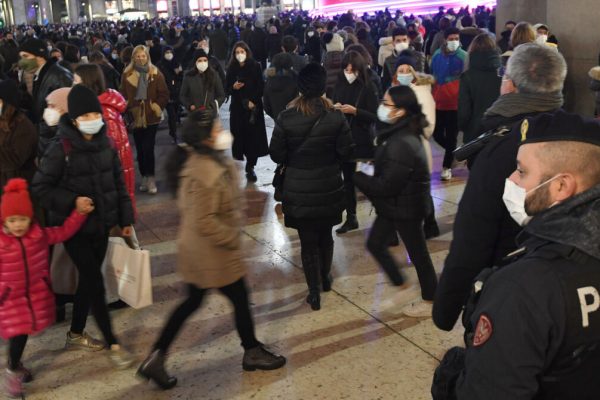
(127, 273)
(63, 272)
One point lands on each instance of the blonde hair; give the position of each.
(395, 77)
(136, 50)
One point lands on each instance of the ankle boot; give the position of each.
(350, 224)
(153, 368)
(311, 264)
(326, 260)
(261, 358)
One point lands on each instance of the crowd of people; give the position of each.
(355, 100)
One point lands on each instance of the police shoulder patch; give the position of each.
(483, 330)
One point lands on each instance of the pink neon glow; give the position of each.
(332, 7)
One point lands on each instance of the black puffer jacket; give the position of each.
(364, 98)
(313, 190)
(91, 169)
(399, 188)
(280, 89)
(51, 77)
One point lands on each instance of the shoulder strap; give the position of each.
(308, 134)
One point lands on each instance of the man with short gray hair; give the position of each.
(484, 232)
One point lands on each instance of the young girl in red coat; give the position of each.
(26, 298)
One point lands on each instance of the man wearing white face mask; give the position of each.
(447, 65)
(201, 85)
(543, 36)
(543, 306)
(171, 69)
(401, 43)
(83, 168)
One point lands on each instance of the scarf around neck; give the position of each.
(513, 104)
(142, 89)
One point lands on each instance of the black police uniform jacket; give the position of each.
(313, 189)
(543, 313)
(74, 167)
(400, 187)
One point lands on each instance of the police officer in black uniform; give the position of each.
(533, 326)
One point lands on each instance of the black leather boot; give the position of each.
(153, 368)
(261, 358)
(326, 260)
(250, 174)
(350, 224)
(311, 264)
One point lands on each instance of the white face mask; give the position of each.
(51, 116)
(541, 39)
(90, 127)
(223, 141)
(240, 57)
(400, 47)
(453, 45)
(49, 48)
(310, 34)
(383, 113)
(168, 56)
(514, 199)
(202, 66)
(350, 77)
(114, 56)
(206, 49)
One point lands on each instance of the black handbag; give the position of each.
(279, 175)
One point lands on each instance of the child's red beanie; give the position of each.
(15, 199)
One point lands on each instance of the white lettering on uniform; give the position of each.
(586, 308)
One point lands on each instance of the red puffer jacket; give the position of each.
(113, 105)
(26, 298)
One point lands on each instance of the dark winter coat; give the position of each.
(51, 77)
(467, 35)
(172, 78)
(258, 38)
(376, 81)
(201, 89)
(298, 61)
(400, 188)
(313, 189)
(273, 44)
(112, 77)
(250, 140)
(18, 149)
(280, 89)
(479, 88)
(313, 48)
(364, 98)
(218, 43)
(90, 169)
(333, 66)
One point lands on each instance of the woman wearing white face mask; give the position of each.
(56, 107)
(83, 168)
(201, 87)
(400, 190)
(211, 204)
(17, 137)
(355, 96)
(245, 85)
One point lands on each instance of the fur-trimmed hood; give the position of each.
(595, 73)
(424, 79)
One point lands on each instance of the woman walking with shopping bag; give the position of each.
(146, 92)
(209, 241)
(83, 168)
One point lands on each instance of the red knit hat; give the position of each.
(15, 200)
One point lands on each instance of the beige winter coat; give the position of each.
(422, 89)
(211, 206)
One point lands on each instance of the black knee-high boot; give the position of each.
(326, 260)
(311, 264)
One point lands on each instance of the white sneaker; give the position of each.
(446, 174)
(152, 189)
(418, 309)
(399, 298)
(144, 185)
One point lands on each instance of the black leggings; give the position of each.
(411, 233)
(16, 346)
(173, 117)
(349, 169)
(145, 139)
(315, 240)
(235, 292)
(446, 134)
(87, 252)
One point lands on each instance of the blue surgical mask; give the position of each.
(405, 79)
(90, 127)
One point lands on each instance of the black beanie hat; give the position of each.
(192, 132)
(407, 58)
(199, 53)
(35, 46)
(312, 80)
(9, 92)
(82, 100)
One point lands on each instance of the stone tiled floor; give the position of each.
(351, 349)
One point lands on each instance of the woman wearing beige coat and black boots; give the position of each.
(209, 242)
(146, 92)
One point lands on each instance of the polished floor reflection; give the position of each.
(351, 349)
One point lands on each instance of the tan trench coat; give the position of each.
(211, 207)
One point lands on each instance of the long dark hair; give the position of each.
(404, 97)
(233, 61)
(92, 77)
(196, 128)
(359, 65)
